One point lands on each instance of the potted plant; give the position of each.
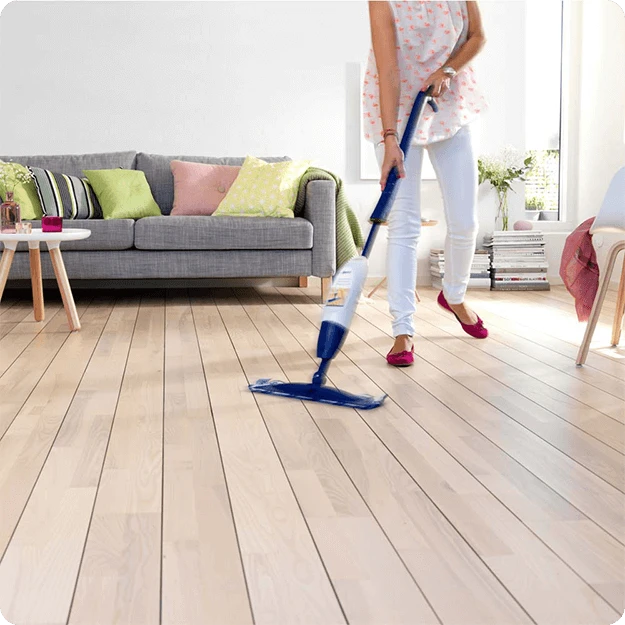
(548, 215)
(533, 206)
(501, 171)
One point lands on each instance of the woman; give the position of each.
(415, 45)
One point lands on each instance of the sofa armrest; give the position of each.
(320, 210)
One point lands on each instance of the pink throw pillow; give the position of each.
(199, 188)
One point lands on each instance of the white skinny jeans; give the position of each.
(455, 164)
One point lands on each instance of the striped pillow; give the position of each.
(65, 196)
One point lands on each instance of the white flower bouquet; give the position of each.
(501, 171)
(12, 175)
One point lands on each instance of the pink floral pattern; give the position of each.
(428, 33)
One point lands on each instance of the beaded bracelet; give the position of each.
(389, 132)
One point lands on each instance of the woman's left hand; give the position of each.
(440, 81)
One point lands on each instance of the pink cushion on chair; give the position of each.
(199, 188)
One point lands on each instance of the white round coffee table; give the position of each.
(53, 241)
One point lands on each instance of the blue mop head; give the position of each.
(316, 392)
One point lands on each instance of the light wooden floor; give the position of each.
(141, 483)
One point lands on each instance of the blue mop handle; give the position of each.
(385, 203)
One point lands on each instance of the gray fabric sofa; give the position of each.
(179, 247)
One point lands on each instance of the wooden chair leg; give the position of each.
(598, 303)
(377, 286)
(620, 310)
(325, 289)
(5, 267)
(303, 282)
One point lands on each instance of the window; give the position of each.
(544, 106)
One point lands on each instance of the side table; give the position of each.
(53, 240)
(425, 223)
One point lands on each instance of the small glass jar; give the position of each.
(10, 214)
(24, 227)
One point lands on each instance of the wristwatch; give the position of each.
(450, 71)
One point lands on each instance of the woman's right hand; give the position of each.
(393, 157)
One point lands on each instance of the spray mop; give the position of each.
(342, 301)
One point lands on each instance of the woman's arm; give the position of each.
(384, 43)
(470, 49)
(475, 39)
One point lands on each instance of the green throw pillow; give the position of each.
(26, 196)
(123, 193)
(264, 189)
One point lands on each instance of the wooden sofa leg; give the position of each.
(325, 288)
(303, 282)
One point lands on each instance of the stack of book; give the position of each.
(518, 260)
(480, 269)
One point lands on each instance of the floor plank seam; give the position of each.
(160, 560)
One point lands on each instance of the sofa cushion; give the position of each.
(61, 195)
(264, 189)
(199, 188)
(157, 170)
(223, 233)
(112, 234)
(73, 164)
(123, 193)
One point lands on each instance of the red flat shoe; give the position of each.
(401, 359)
(477, 330)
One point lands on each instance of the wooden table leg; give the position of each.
(64, 287)
(5, 264)
(36, 280)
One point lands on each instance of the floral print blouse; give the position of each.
(428, 34)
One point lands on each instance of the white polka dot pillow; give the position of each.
(263, 189)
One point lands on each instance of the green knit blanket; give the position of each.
(348, 232)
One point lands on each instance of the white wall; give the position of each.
(231, 78)
(602, 127)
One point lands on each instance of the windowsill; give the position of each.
(552, 226)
